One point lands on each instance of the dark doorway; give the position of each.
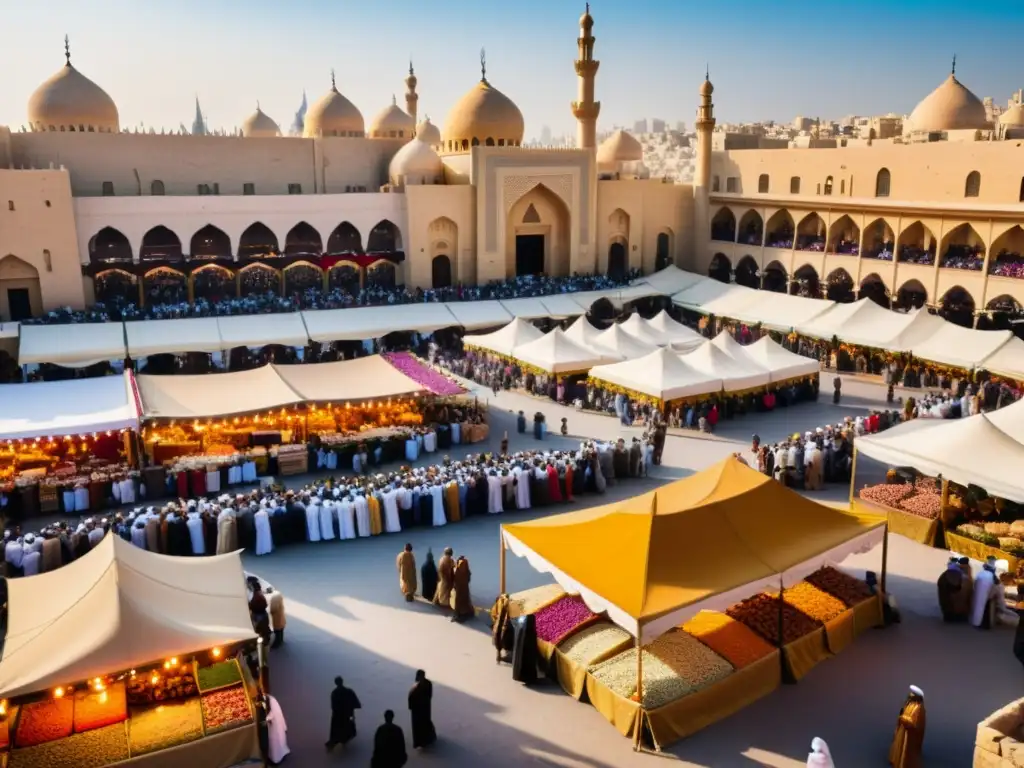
(617, 261)
(441, 272)
(19, 303)
(529, 255)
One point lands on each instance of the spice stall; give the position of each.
(126, 657)
(720, 541)
(68, 446)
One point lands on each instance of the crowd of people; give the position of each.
(970, 257)
(1007, 264)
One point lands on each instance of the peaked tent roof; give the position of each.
(71, 407)
(556, 353)
(952, 344)
(680, 336)
(116, 608)
(214, 394)
(672, 279)
(582, 332)
(638, 328)
(913, 330)
(504, 340)
(661, 374)
(735, 374)
(1010, 420)
(704, 542)
(779, 361)
(861, 322)
(623, 346)
(780, 311)
(1008, 360)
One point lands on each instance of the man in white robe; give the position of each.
(389, 500)
(264, 539)
(522, 478)
(346, 518)
(326, 514)
(983, 585)
(277, 732)
(437, 504)
(494, 485)
(312, 523)
(362, 516)
(194, 523)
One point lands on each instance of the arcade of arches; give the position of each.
(537, 234)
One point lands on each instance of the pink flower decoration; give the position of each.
(555, 622)
(430, 379)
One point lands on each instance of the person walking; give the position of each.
(446, 579)
(277, 617)
(908, 741)
(423, 732)
(428, 577)
(406, 565)
(389, 744)
(344, 704)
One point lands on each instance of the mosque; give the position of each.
(94, 212)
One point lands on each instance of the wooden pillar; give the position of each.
(191, 283)
(142, 291)
(853, 474)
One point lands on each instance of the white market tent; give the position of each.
(638, 328)
(158, 337)
(780, 363)
(681, 337)
(364, 378)
(556, 353)
(618, 344)
(288, 330)
(472, 315)
(861, 322)
(585, 299)
(725, 342)
(909, 331)
(582, 332)
(361, 323)
(528, 309)
(9, 330)
(779, 311)
(1010, 420)
(117, 608)
(76, 345)
(735, 375)
(966, 451)
(961, 347)
(661, 374)
(1008, 360)
(671, 280)
(504, 340)
(562, 305)
(712, 297)
(72, 407)
(214, 394)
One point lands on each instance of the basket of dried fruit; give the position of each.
(165, 725)
(225, 709)
(803, 638)
(838, 584)
(220, 675)
(43, 721)
(730, 639)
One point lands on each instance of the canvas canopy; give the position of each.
(910, 331)
(862, 322)
(638, 328)
(556, 353)
(364, 378)
(661, 374)
(117, 608)
(171, 337)
(76, 345)
(725, 342)
(780, 363)
(1010, 420)
(528, 309)
(735, 375)
(779, 311)
(679, 336)
(364, 323)
(671, 280)
(701, 543)
(952, 344)
(288, 330)
(216, 394)
(1008, 360)
(582, 332)
(714, 297)
(72, 407)
(562, 305)
(504, 340)
(620, 344)
(966, 451)
(479, 314)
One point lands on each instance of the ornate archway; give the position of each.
(1007, 259)
(780, 230)
(806, 282)
(345, 276)
(775, 278)
(540, 244)
(873, 287)
(210, 242)
(301, 277)
(720, 268)
(963, 248)
(164, 285)
(303, 240)
(115, 287)
(879, 241)
(382, 274)
(444, 241)
(345, 239)
(917, 245)
(619, 223)
(160, 244)
(957, 306)
(840, 287)
(810, 233)
(751, 229)
(1003, 313)
(384, 238)
(911, 295)
(110, 246)
(747, 273)
(21, 297)
(257, 280)
(844, 237)
(723, 226)
(213, 283)
(618, 261)
(257, 241)
(441, 272)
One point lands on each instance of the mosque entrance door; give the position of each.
(617, 261)
(19, 303)
(529, 255)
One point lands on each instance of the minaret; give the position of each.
(702, 173)
(586, 109)
(411, 97)
(198, 123)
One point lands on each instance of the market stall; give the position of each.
(472, 315)
(736, 376)
(779, 311)
(128, 657)
(661, 376)
(781, 364)
(504, 340)
(959, 347)
(556, 353)
(77, 345)
(615, 343)
(711, 542)
(639, 329)
(680, 337)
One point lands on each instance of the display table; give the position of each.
(914, 527)
(165, 452)
(840, 631)
(221, 750)
(572, 676)
(803, 655)
(978, 551)
(867, 615)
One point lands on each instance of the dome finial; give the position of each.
(483, 65)
(588, 7)
(411, 72)
(67, 51)
(707, 73)
(334, 86)
(954, 65)
(394, 101)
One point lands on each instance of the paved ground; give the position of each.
(346, 617)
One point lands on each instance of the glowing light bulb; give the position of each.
(216, 653)
(58, 693)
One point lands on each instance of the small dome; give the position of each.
(483, 116)
(1013, 117)
(334, 115)
(259, 125)
(417, 163)
(620, 147)
(428, 133)
(706, 88)
(391, 123)
(586, 20)
(950, 107)
(71, 101)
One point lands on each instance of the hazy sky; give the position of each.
(767, 60)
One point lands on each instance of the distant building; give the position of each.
(657, 126)
(640, 126)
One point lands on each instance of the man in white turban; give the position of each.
(820, 757)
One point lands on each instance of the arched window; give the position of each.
(842, 186)
(1022, 189)
(882, 181)
(794, 185)
(489, 142)
(156, 187)
(475, 142)
(972, 187)
(828, 185)
(716, 184)
(762, 183)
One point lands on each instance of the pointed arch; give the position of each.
(806, 282)
(544, 248)
(110, 246)
(1001, 314)
(213, 283)
(720, 268)
(747, 273)
(779, 230)
(751, 229)
(957, 306)
(972, 184)
(384, 238)
(882, 181)
(663, 249)
(345, 239)
(911, 295)
(165, 285)
(810, 233)
(873, 287)
(382, 274)
(210, 242)
(1005, 303)
(775, 278)
(723, 225)
(963, 248)
(1007, 258)
(257, 241)
(160, 244)
(917, 244)
(844, 236)
(113, 286)
(440, 272)
(258, 279)
(839, 286)
(878, 242)
(303, 240)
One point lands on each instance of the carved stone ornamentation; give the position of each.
(517, 186)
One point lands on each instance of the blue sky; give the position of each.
(767, 60)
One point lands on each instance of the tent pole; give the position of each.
(782, 651)
(639, 725)
(501, 562)
(853, 474)
(885, 556)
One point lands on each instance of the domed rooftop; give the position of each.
(415, 163)
(586, 20)
(259, 125)
(334, 115)
(950, 107)
(1013, 117)
(391, 123)
(484, 115)
(620, 147)
(428, 133)
(70, 101)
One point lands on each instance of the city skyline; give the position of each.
(154, 62)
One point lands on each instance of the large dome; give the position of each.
(950, 107)
(620, 147)
(334, 115)
(483, 116)
(391, 123)
(70, 101)
(428, 132)
(415, 163)
(259, 125)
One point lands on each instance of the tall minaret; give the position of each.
(702, 173)
(411, 97)
(198, 122)
(586, 109)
